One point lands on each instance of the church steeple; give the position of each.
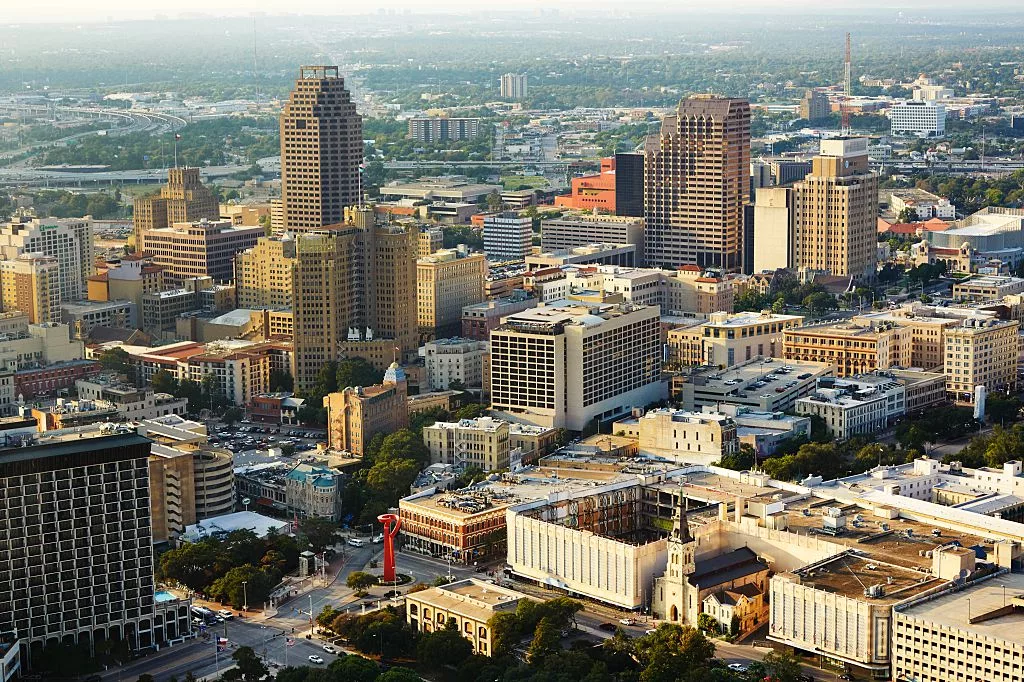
(680, 524)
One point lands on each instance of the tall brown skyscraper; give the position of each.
(837, 211)
(696, 184)
(184, 199)
(321, 150)
(353, 294)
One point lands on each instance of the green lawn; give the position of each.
(533, 181)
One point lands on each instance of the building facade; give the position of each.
(981, 352)
(774, 228)
(919, 119)
(198, 249)
(455, 360)
(31, 284)
(566, 366)
(321, 151)
(184, 199)
(356, 414)
(836, 212)
(696, 182)
(69, 240)
(481, 442)
(851, 348)
(507, 236)
(446, 282)
(513, 86)
(443, 129)
(264, 274)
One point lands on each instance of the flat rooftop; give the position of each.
(850, 576)
(709, 487)
(751, 318)
(900, 545)
(471, 598)
(955, 609)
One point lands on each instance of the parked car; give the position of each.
(315, 659)
(225, 614)
(627, 621)
(738, 667)
(607, 627)
(330, 649)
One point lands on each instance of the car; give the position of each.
(330, 649)
(738, 667)
(377, 539)
(627, 621)
(356, 542)
(844, 676)
(607, 627)
(805, 678)
(225, 614)
(649, 632)
(315, 659)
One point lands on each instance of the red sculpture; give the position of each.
(391, 525)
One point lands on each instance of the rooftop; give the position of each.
(957, 609)
(472, 598)
(853, 576)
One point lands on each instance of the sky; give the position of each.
(76, 11)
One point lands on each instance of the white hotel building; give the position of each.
(920, 119)
(563, 365)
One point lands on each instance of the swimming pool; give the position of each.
(163, 596)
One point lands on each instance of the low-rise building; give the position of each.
(52, 379)
(454, 360)
(579, 230)
(281, 407)
(851, 348)
(697, 437)
(356, 414)
(727, 339)
(851, 408)
(987, 288)
(82, 316)
(764, 384)
(479, 320)
(131, 403)
(481, 442)
(595, 254)
(470, 603)
(763, 431)
(924, 205)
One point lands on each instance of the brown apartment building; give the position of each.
(696, 182)
(321, 150)
(198, 249)
(356, 414)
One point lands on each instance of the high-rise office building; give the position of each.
(508, 236)
(354, 293)
(696, 182)
(182, 200)
(321, 150)
(836, 211)
(31, 284)
(69, 240)
(513, 86)
(198, 249)
(629, 185)
(76, 546)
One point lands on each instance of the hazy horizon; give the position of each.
(62, 11)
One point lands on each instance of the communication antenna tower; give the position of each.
(844, 109)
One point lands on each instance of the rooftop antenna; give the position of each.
(844, 110)
(255, 73)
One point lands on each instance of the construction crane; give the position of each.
(844, 108)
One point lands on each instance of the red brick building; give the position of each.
(48, 380)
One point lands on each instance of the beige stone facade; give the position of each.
(470, 603)
(31, 284)
(183, 199)
(356, 414)
(446, 282)
(851, 348)
(981, 352)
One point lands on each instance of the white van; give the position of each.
(356, 542)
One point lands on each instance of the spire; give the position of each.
(680, 524)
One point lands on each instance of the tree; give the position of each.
(1002, 408)
(399, 675)
(232, 416)
(780, 666)
(907, 215)
(360, 580)
(819, 303)
(287, 449)
(281, 380)
(404, 444)
(471, 411)
(319, 532)
(391, 479)
(671, 649)
(707, 623)
(546, 641)
(164, 382)
(243, 586)
(194, 564)
(443, 647)
(354, 669)
(494, 201)
(356, 372)
(249, 664)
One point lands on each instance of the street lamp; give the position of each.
(245, 596)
